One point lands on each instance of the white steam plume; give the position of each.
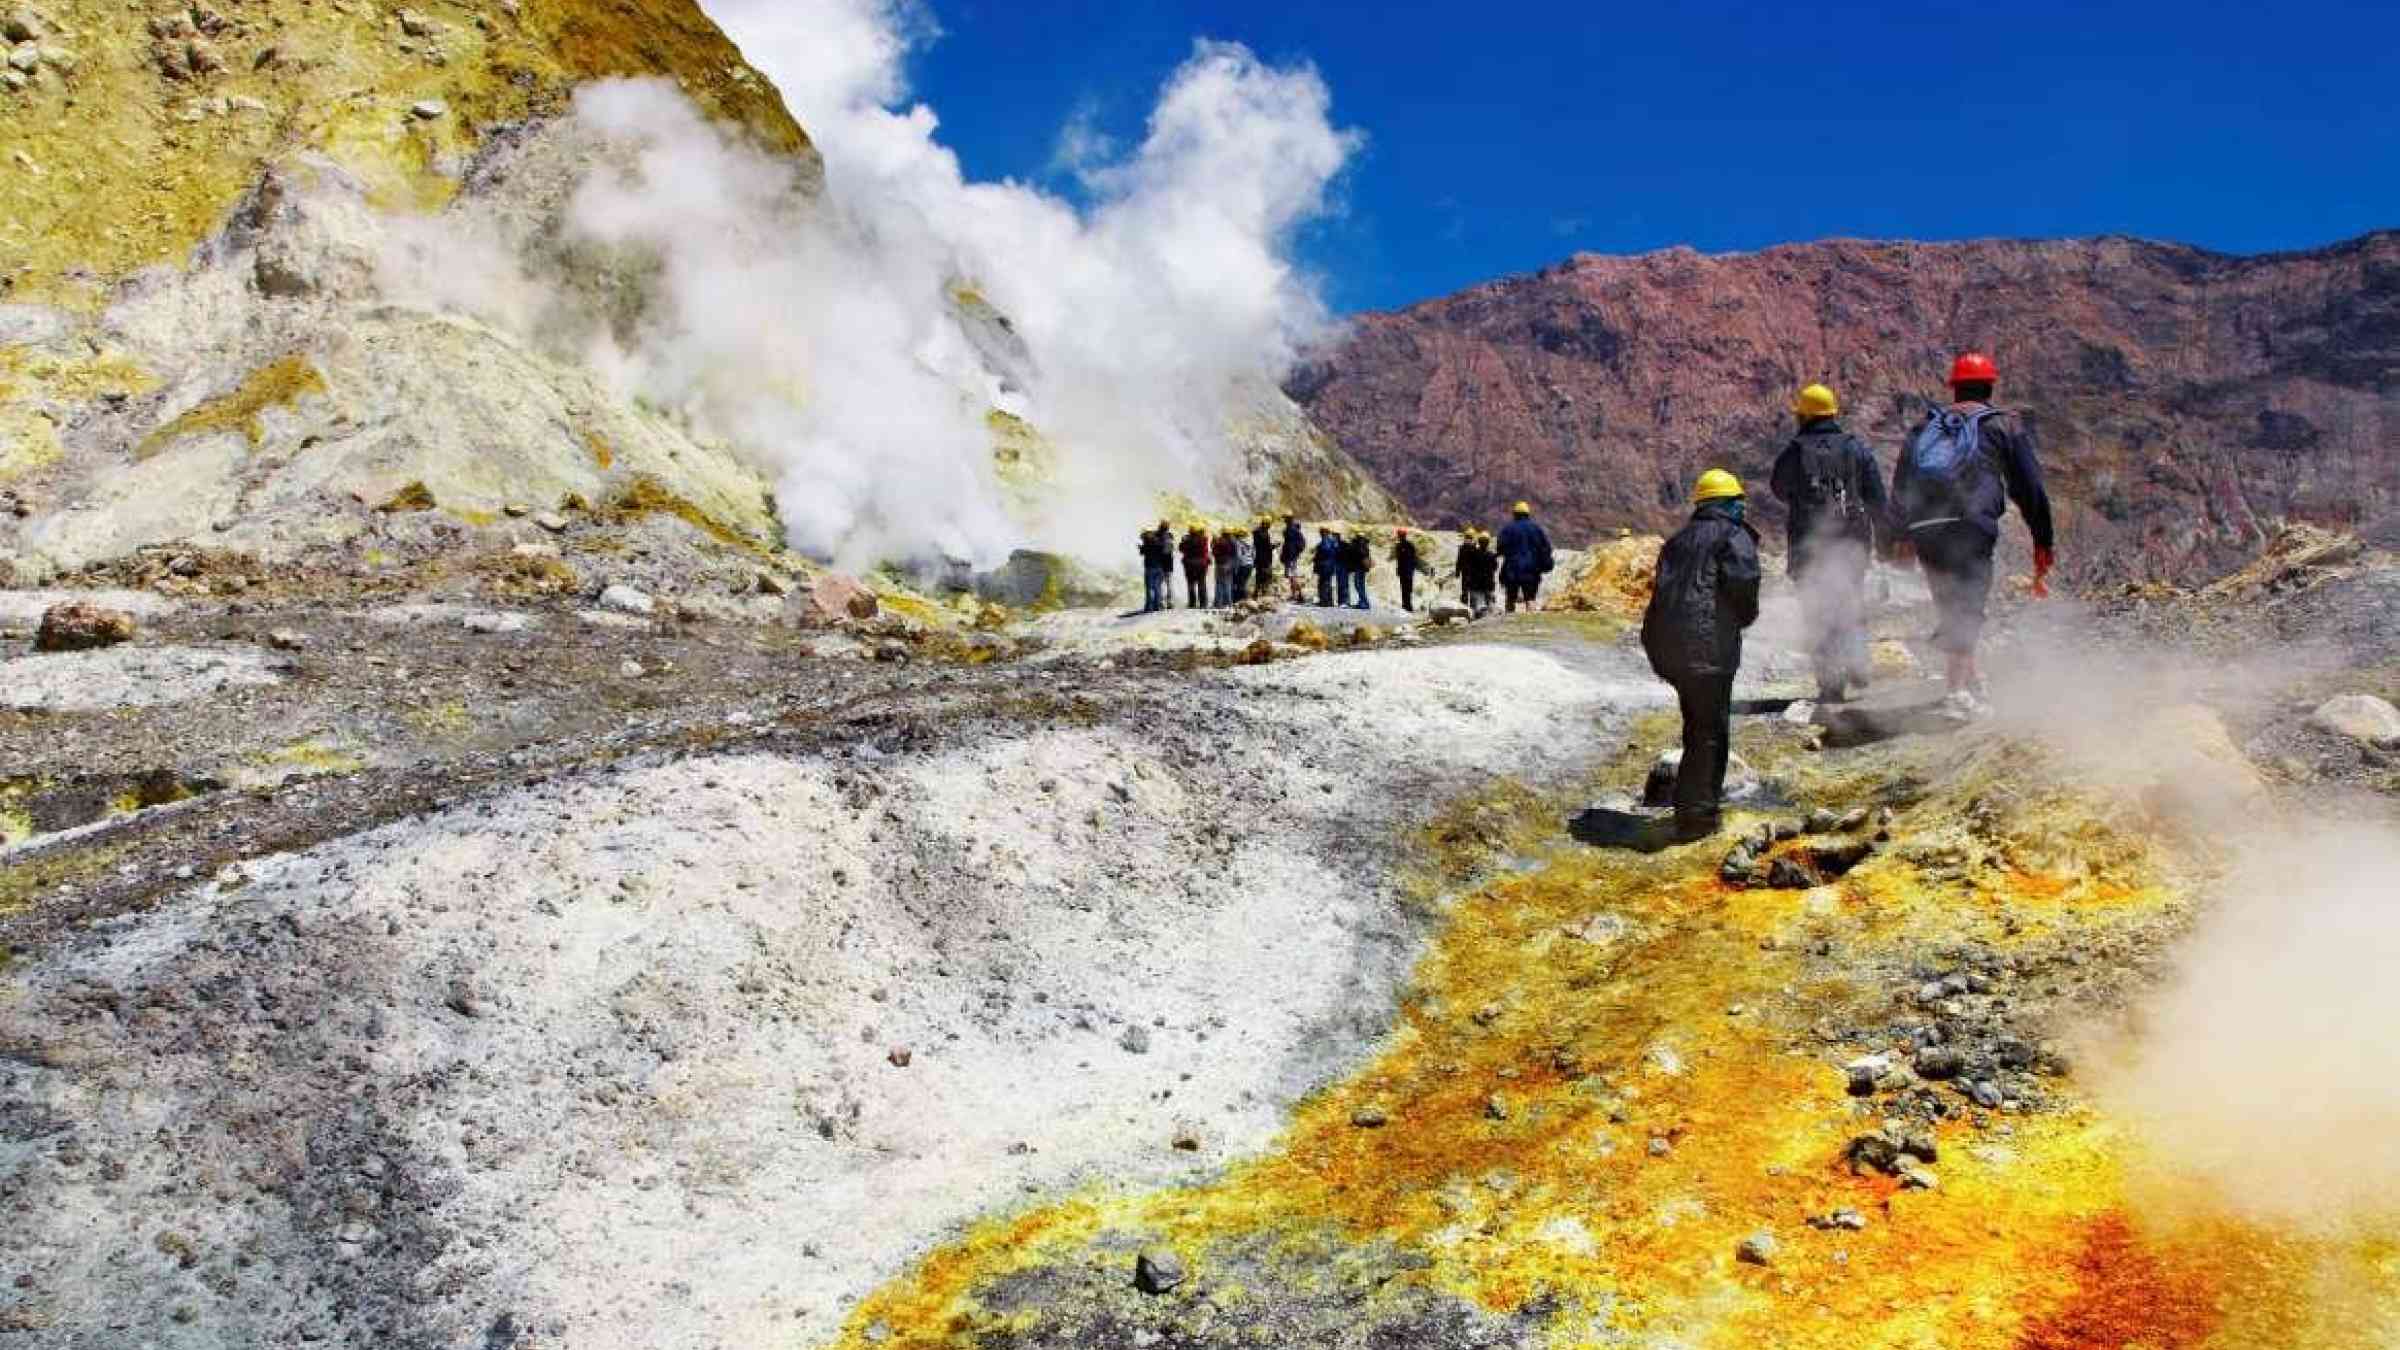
(2270, 1068)
(829, 343)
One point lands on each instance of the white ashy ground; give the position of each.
(669, 1116)
(130, 676)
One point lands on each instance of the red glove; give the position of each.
(2043, 561)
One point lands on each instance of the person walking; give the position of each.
(1262, 554)
(1833, 489)
(1158, 564)
(1705, 594)
(1295, 543)
(1358, 558)
(1226, 554)
(1954, 482)
(1525, 558)
(1328, 559)
(1194, 549)
(1478, 570)
(1404, 562)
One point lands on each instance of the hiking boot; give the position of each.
(1965, 705)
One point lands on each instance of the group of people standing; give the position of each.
(1243, 563)
(1953, 482)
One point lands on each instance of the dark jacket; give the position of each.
(1358, 553)
(1524, 551)
(1262, 548)
(1225, 550)
(1329, 556)
(1818, 469)
(1158, 548)
(1477, 567)
(1705, 595)
(2007, 442)
(1295, 543)
(1404, 556)
(1195, 553)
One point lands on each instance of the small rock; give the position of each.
(626, 600)
(551, 521)
(1157, 1270)
(891, 650)
(1369, 1118)
(1758, 1249)
(1495, 1107)
(1987, 1094)
(1866, 1074)
(1940, 1061)
(630, 668)
(20, 25)
(899, 1056)
(494, 623)
(463, 1000)
(286, 640)
(1785, 875)
(26, 59)
(1847, 1219)
(1914, 1178)
(768, 583)
(416, 25)
(2360, 717)
(79, 625)
(426, 110)
(1135, 1041)
(1660, 1146)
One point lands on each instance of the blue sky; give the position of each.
(1502, 137)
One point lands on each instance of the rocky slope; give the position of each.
(2186, 400)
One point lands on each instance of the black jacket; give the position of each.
(1358, 554)
(1477, 567)
(1706, 594)
(1158, 548)
(2007, 442)
(1404, 556)
(1823, 457)
(1295, 543)
(1524, 551)
(1262, 548)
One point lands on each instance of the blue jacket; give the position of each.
(1328, 556)
(1524, 551)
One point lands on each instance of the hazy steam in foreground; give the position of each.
(2269, 1068)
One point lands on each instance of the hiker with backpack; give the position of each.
(1955, 480)
(1833, 488)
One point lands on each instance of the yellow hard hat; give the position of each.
(1716, 485)
(1815, 401)
(1523, 508)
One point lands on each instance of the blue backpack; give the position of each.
(1945, 466)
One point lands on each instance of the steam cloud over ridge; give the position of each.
(828, 341)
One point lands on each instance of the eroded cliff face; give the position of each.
(2184, 400)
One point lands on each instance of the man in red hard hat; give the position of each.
(1955, 480)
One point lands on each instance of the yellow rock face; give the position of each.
(141, 125)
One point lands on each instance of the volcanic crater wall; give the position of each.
(2185, 400)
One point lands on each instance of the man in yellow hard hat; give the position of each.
(1705, 594)
(1525, 557)
(1194, 548)
(1833, 488)
(1262, 556)
(1158, 564)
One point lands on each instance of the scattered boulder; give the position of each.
(625, 599)
(2359, 717)
(551, 521)
(1939, 1062)
(79, 625)
(1450, 612)
(833, 598)
(1135, 1041)
(1370, 1118)
(1784, 874)
(1157, 1270)
(494, 623)
(427, 110)
(1849, 1220)
(1758, 1249)
(412, 497)
(20, 25)
(286, 639)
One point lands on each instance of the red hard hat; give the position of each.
(1973, 368)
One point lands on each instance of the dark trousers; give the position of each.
(1154, 588)
(1408, 590)
(1325, 588)
(1707, 702)
(1195, 585)
(1522, 591)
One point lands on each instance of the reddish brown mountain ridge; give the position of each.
(2185, 401)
